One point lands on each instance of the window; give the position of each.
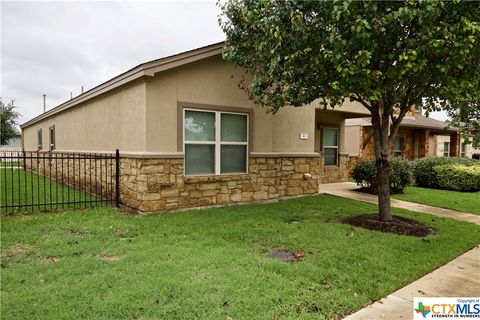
(52, 137)
(330, 146)
(215, 149)
(463, 149)
(39, 139)
(398, 147)
(446, 149)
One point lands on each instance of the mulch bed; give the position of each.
(398, 225)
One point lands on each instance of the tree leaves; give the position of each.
(300, 51)
(8, 122)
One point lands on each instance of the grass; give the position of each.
(459, 201)
(20, 187)
(7, 164)
(210, 264)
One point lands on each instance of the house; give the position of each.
(418, 137)
(14, 143)
(189, 136)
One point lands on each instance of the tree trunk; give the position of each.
(381, 126)
(383, 185)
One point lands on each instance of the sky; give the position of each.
(55, 48)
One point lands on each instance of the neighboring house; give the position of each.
(10, 149)
(14, 143)
(189, 136)
(418, 137)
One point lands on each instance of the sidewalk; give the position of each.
(458, 278)
(346, 190)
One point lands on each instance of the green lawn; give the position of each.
(8, 164)
(20, 187)
(460, 201)
(210, 264)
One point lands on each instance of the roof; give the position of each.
(147, 69)
(419, 121)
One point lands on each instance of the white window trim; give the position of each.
(218, 143)
(52, 145)
(463, 150)
(39, 139)
(331, 147)
(446, 151)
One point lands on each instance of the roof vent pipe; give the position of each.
(71, 95)
(82, 89)
(44, 103)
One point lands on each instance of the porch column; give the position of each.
(454, 144)
(423, 143)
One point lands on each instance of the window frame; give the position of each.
(331, 147)
(447, 152)
(395, 151)
(463, 150)
(51, 145)
(217, 142)
(39, 139)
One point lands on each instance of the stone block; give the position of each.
(169, 193)
(204, 201)
(299, 161)
(150, 196)
(268, 174)
(247, 196)
(302, 168)
(223, 198)
(196, 194)
(260, 195)
(171, 206)
(293, 191)
(209, 193)
(236, 197)
(152, 169)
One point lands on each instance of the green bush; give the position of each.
(424, 173)
(458, 177)
(365, 174)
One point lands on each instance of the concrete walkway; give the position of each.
(458, 278)
(346, 190)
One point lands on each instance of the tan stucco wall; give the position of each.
(144, 117)
(214, 82)
(104, 124)
(352, 140)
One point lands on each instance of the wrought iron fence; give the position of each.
(45, 181)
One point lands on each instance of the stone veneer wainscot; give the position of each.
(159, 184)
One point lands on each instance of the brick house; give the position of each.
(418, 137)
(189, 136)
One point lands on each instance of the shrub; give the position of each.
(365, 174)
(424, 173)
(458, 177)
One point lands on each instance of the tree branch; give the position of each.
(357, 98)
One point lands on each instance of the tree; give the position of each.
(388, 56)
(467, 118)
(8, 122)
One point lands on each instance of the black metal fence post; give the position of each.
(117, 178)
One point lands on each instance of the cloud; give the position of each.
(56, 47)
